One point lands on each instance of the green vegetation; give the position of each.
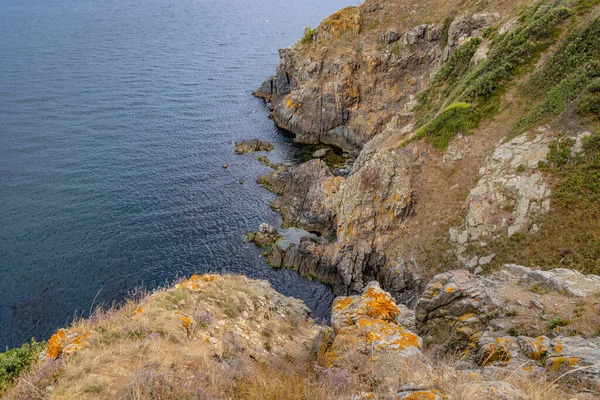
(481, 85)
(514, 331)
(456, 118)
(15, 361)
(557, 323)
(308, 36)
(572, 75)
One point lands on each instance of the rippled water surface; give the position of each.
(115, 119)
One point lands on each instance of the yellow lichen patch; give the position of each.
(556, 363)
(289, 102)
(405, 340)
(193, 283)
(381, 305)
(468, 317)
(539, 350)
(344, 20)
(341, 303)
(372, 337)
(422, 395)
(450, 289)
(54, 344)
(558, 348)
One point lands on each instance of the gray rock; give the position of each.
(320, 153)
(569, 282)
(456, 304)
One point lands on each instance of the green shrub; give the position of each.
(483, 84)
(454, 119)
(514, 331)
(308, 36)
(15, 361)
(557, 323)
(571, 75)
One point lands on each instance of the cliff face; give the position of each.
(361, 68)
(443, 109)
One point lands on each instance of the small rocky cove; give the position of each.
(430, 187)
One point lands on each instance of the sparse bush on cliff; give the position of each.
(15, 361)
(481, 85)
(571, 75)
(308, 36)
(456, 118)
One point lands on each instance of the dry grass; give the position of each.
(245, 342)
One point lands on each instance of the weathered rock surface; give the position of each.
(567, 281)
(307, 196)
(457, 306)
(265, 236)
(342, 94)
(253, 145)
(509, 193)
(365, 328)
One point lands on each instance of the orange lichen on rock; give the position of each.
(187, 321)
(405, 340)
(381, 305)
(289, 102)
(341, 303)
(556, 363)
(77, 344)
(54, 344)
(194, 282)
(340, 22)
(423, 395)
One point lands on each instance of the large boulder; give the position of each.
(365, 328)
(457, 306)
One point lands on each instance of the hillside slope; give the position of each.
(471, 134)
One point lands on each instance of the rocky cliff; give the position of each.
(458, 119)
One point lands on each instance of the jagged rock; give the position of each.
(265, 236)
(533, 356)
(577, 354)
(567, 281)
(456, 305)
(374, 301)
(265, 161)
(364, 328)
(307, 196)
(253, 145)
(465, 27)
(499, 390)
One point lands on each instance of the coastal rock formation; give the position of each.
(338, 90)
(250, 146)
(509, 193)
(307, 196)
(265, 236)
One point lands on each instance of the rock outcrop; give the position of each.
(266, 235)
(250, 146)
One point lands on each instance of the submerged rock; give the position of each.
(253, 145)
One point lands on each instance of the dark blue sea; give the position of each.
(116, 117)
